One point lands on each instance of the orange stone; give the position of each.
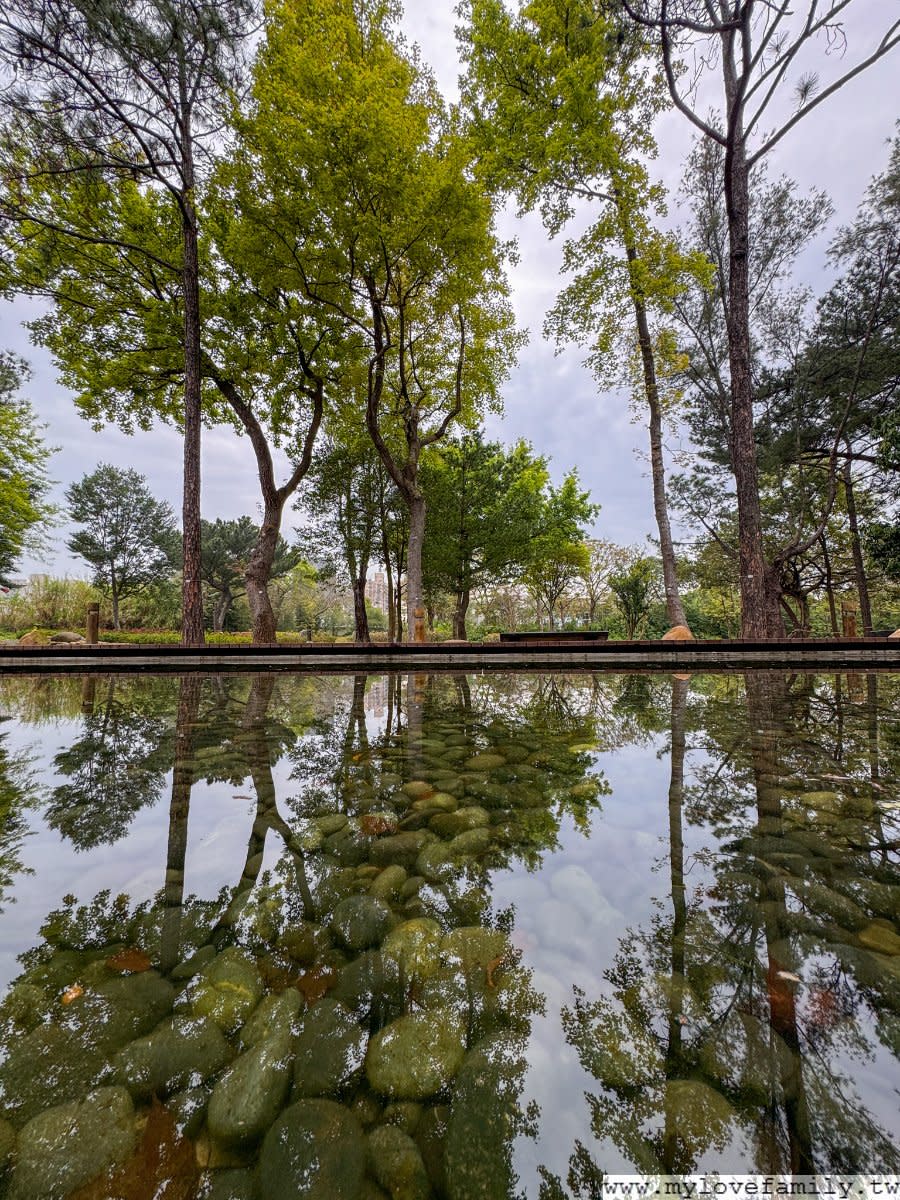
(678, 633)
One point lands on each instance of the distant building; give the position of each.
(376, 591)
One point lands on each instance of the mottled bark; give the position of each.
(759, 584)
(459, 614)
(859, 566)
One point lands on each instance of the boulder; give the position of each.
(678, 633)
(417, 1055)
(227, 990)
(70, 1144)
(316, 1150)
(415, 946)
(230, 1183)
(895, 634)
(175, 1054)
(396, 1163)
(66, 637)
(329, 1050)
(249, 1096)
(483, 1123)
(276, 1013)
(361, 921)
(449, 824)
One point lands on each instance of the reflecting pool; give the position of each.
(448, 936)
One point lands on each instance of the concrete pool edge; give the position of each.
(843, 654)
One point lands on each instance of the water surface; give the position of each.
(446, 936)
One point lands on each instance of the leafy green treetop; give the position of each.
(128, 537)
(23, 469)
(484, 507)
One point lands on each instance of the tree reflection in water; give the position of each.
(730, 1026)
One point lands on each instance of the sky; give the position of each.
(550, 399)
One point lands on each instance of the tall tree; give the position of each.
(23, 469)
(226, 549)
(760, 47)
(484, 506)
(342, 496)
(561, 102)
(379, 223)
(559, 556)
(128, 535)
(107, 94)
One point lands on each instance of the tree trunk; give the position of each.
(459, 614)
(360, 617)
(179, 807)
(114, 602)
(674, 607)
(760, 589)
(829, 586)
(257, 574)
(191, 592)
(221, 609)
(859, 567)
(416, 504)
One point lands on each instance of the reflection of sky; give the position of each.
(572, 915)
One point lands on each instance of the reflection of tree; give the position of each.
(735, 1020)
(115, 767)
(17, 795)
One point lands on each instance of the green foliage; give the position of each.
(484, 506)
(129, 538)
(635, 589)
(23, 469)
(559, 556)
(225, 549)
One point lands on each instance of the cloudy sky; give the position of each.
(550, 399)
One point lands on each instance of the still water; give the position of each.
(449, 936)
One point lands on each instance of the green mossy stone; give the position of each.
(188, 1109)
(449, 824)
(360, 922)
(194, 965)
(396, 1163)
(332, 823)
(472, 947)
(400, 848)
(405, 1114)
(435, 863)
(328, 1051)
(230, 1183)
(484, 761)
(227, 989)
(276, 1013)
(416, 947)
(439, 802)
(416, 788)
(248, 1097)
(431, 1137)
(416, 1056)
(64, 1147)
(388, 882)
(181, 1051)
(470, 844)
(370, 984)
(316, 1150)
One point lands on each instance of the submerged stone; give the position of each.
(248, 1097)
(397, 1164)
(275, 1013)
(314, 1151)
(483, 1123)
(361, 921)
(182, 1051)
(227, 990)
(415, 946)
(329, 1050)
(230, 1183)
(880, 936)
(416, 1056)
(449, 824)
(70, 1144)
